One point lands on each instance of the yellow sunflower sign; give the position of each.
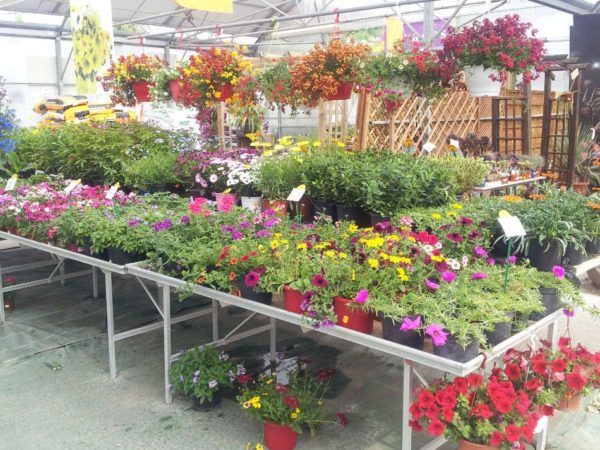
(91, 22)
(220, 6)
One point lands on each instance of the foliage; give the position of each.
(161, 91)
(244, 105)
(277, 176)
(8, 121)
(275, 86)
(156, 168)
(466, 173)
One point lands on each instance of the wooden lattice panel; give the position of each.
(333, 121)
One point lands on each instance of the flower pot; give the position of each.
(141, 90)
(569, 403)
(502, 331)
(158, 187)
(279, 437)
(292, 299)
(593, 246)
(581, 187)
(479, 83)
(352, 318)
(353, 213)
(194, 193)
(344, 92)
(573, 255)
(466, 445)
(550, 301)
(456, 352)
(543, 259)
(226, 92)
(120, 257)
(325, 208)
(376, 218)
(199, 405)
(279, 206)
(251, 203)
(225, 201)
(250, 294)
(9, 304)
(512, 177)
(175, 89)
(411, 338)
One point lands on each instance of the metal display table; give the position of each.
(510, 186)
(411, 357)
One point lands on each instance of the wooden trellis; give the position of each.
(333, 121)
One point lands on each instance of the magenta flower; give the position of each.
(438, 335)
(480, 252)
(448, 276)
(252, 279)
(319, 281)
(431, 285)
(568, 312)
(362, 296)
(558, 271)
(465, 221)
(490, 261)
(479, 276)
(454, 237)
(474, 235)
(409, 324)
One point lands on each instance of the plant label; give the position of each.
(574, 74)
(428, 146)
(455, 143)
(11, 183)
(296, 194)
(72, 186)
(112, 191)
(512, 226)
(593, 133)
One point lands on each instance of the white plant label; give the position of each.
(429, 146)
(296, 194)
(455, 143)
(512, 226)
(72, 185)
(11, 183)
(112, 191)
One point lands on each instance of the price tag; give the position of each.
(72, 186)
(112, 191)
(429, 146)
(512, 226)
(455, 143)
(574, 74)
(11, 183)
(296, 193)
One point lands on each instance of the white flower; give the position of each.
(438, 245)
(213, 178)
(465, 261)
(213, 384)
(223, 356)
(241, 370)
(428, 249)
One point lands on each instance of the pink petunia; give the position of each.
(438, 335)
(448, 276)
(431, 285)
(558, 271)
(478, 275)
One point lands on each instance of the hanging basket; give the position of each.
(479, 83)
(226, 92)
(344, 92)
(175, 89)
(141, 90)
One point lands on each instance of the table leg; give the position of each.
(61, 269)
(2, 312)
(166, 301)
(95, 282)
(110, 325)
(273, 339)
(215, 320)
(406, 394)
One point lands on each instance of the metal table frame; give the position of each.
(411, 357)
(479, 190)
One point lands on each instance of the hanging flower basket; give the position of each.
(141, 90)
(344, 92)
(175, 89)
(226, 92)
(479, 83)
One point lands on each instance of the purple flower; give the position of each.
(568, 312)
(270, 223)
(409, 324)
(133, 223)
(512, 259)
(326, 322)
(252, 279)
(162, 226)
(559, 272)
(448, 276)
(184, 220)
(263, 233)
(480, 252)
(454, 237)
(362, 296)
(479, 276)
(465, 221)
(431, 285)
(244, 225)
(319, 281)
(490, 261)
(474, 235)
(437, 333)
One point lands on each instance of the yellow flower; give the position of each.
(384, 256)
(294, 415)
(259, 447)
(218, 52)
(393, 238)
(343, 255)
(274, 245)
(246, 405)
(345, 319)
(267, 153)
(278, 147)
(353, 278)
(316, 144)
(322, 245)
(451, 214)
(374, 263)
(402, 274)
(298, 410)
(340, 144)
(411, 239)
(436, 216)
(352, 228)
(456, 206)
(301, 246)
(375, 242)
(436, 258)
(329, 254)
(277, 235)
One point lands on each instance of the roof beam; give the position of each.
(567, 6)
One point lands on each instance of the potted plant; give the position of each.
(488, 51)
(130, 77)
(285, 410)
(275, 83)
(327, 73)
(201, 373)
(276, 177)
(9, 297)
(153, 173)
(245, 109)
(167, 85)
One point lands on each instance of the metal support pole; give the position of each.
(273, 338)
(166, 301)
(58, 63)
(2, 312)
(167, 55)
(110, 325)
(94, 282)
(406, 430)
(62, 278)
(552, 335)
(428, 21)
(215, 320)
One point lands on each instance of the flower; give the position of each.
(568, 312)
(362, 296)
(558, 271)
(212, 384)
(512, 432)
(576, 381)
(252, 279)
(342, 419)
(431, 285)
(409, 324)
(478, 275)
(480, 252)
(291, 401)
(448, 276)
(438, 335)
(496, 439)
(436, 428)
(319, 281)
(244, 379)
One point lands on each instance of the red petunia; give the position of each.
(576, 381)
(482, 410)
(432, 412)
(448, 414)
(426, 399)
(512, 432)
(539, 367)
(532, 384)
(244, 379)
(548, 410)
(512, 371)
(558, 365)
(460, 385)
(415, 425)
(475, 380)
(496, 439)
(416, 411)
(292, 402)
(280, 389)
(436, 428)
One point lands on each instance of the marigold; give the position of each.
(512, 198)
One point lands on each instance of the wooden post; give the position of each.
(322, 118)
(364, 136)
(344, 119)
(496, 124)
(526, 121)
(574, 130)
(546, 115)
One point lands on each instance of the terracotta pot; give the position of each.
(513, 177)
(466, 445)
(569, 403)
(352, 318)
(581, 187)
(344, 92)
(141, 90)
(279, 206)
(226, 92)
(175, 89)
(279, 437)
(292, 300)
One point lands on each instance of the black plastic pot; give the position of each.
(207, 406)
(324, 207)
(120, 257)
(154, 188)
(353, 213)
(500, 248)
(456, 352)
(543, 259)
(573, 255)
(376, 218)
(550, 301)
(250, 294)
(24, 174)
(593, 246)
(391, 332)
(501, 332)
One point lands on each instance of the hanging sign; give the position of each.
(220, 6)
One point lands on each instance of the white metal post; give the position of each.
(62, 272)
(273, 338)
(166, 301)
(110, 324)
(406, 430)
(215, 320)
(2, 312)
(95, 282)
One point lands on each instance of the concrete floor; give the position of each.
(55, 392)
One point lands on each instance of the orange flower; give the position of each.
(512, 198)
(233, 261)
(550, 175)
(594, 205)
(200, 279)
(537, 196)
(231, 276)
